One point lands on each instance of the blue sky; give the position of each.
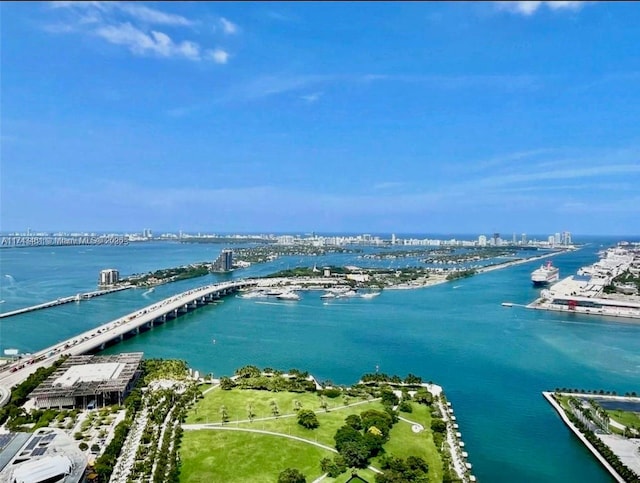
(359, 117)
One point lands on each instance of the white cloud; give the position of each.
(311, 98)
(528, 8)
(151, 15)
(134, 10)
(104, 19)
(228, 27)
(219, 56)
(140, 43)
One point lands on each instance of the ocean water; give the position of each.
(493, 361)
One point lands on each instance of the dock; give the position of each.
(64, 300)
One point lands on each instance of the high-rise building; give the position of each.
(566, 238)
(558, 239)
(224, 262)
(496, 239)
(110, 276)
(482, 241)
(523, 239)
(393, 238)
(551, 240)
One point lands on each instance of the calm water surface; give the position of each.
(493, 361)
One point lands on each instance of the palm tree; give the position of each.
(296, 405)
(274, 407)
(251, 411)
(224, 414)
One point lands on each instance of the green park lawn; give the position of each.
(213, 455)
(230, 456)
(627, 418)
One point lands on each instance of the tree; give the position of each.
(438, 425)
(323, 403)
(83, 446)
(248, 371)
(412, 379)
(333, 467)
(347, 434)
(355, 454)
(275, 410)
(388, 397)
(291, 475)
(226, 383)
(405, 407)
(251, 413)
(224, 414)
(354, 421)
(297, 405)
(308, 419)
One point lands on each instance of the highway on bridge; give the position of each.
(96, 338)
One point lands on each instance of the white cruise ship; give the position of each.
(545, 275)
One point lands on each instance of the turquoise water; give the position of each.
(493, 361)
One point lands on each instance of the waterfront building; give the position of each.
(224, 262)
(89, 381)
(46, 455)
(482, 241)
(523, 239)
(566, 238)
(108, 277)
(551, 240)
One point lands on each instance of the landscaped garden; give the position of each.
(236, 434)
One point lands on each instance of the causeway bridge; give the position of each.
(131, 324)
(64, 300)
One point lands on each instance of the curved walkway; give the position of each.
(271, 433)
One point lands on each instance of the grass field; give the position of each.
(231, 456)
(627, 418)
(404, 442)
(210, 455)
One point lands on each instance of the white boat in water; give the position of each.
(328, 295)
(347, 294)
(545, 274)
(288, 296)
(369, 295)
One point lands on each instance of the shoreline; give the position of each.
(549, 397)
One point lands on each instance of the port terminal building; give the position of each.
(89, 381)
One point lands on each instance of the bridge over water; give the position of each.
(116, 330)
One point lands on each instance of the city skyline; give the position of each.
(372, 118)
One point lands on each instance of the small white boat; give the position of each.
(349, 293)
(328, 295)
(369, 295)
(507, 304)
(288, 296)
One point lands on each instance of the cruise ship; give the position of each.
(545, 275)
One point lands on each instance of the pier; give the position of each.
(98, 338)
(64, 300)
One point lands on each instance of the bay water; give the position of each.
(492, 361)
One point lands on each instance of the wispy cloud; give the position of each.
(228, 27)
(153, 16)
(528, 8)
(128, 24)
(140, 43)
(311, 98)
